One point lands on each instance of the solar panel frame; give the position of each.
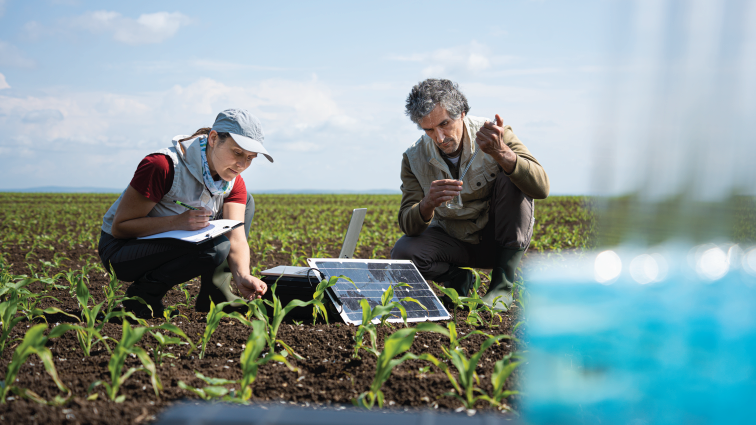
(372, 278)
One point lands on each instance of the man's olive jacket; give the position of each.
(422, 164)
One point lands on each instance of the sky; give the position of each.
(88, 88)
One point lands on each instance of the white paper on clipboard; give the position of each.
(214, 229)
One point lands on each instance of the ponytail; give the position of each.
(205, 131)
(200, 132)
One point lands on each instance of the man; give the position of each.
(495, 224)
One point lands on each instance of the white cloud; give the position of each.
(466, 59)
(148, 28)
(3, 83)
(301, 146)
(72, 138)
(292, 112)
(42, 116)
(348, 137)
(11, 56)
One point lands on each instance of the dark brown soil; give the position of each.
(328, 374)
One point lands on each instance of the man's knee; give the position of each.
(505, 189)
(413, 248)
(512, 211)
(401, 250)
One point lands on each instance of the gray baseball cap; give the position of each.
(244, 128)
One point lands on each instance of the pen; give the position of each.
(186, 206)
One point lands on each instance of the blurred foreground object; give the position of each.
(633, 336)
(280, 414)
(659, 325)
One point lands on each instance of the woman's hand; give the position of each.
(250, 287)
(193, 219)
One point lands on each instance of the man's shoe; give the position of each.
(499, 294)
(152, 292)
(216, 288)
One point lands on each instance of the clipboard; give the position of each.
(214, 229)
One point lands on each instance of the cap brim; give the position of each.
(251, 145)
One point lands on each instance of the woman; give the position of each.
(203, 171)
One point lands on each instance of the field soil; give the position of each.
(328, 375)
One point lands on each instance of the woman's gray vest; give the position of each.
(188, 184)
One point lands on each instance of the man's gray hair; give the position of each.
(427, 94)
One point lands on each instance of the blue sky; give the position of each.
(88, 88)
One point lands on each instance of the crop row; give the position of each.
(18, 304)
(290, 226)
(50, 271)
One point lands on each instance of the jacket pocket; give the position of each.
(481, 181)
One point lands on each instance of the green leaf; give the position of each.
(61, 329)
(82, 292)
(501, 373)
(215, 392)
(213, 381)
(449, 292)
(197, 391)
(176, 330)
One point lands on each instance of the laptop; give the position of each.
(347, 248)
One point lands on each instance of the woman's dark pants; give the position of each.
(160, 264)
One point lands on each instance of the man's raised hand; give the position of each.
(490, 139)
(440, 192)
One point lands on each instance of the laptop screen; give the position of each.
(353, 233)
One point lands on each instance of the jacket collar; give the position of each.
(190, 155)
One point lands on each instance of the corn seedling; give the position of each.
(17, 297)
(122, 350)
(28, 302)
(163, 341)
(214, 317)
(319, 294)
(399, 342)
(213, 391)
(464, 387)
(380, 312)
(459, 302)
(502, 369)
(8, 310)
(114, 295)
(189, 298)
(90, 333)
(279, 312)
(386, 301)
(34, 343)
(251, 358)
(474, 317)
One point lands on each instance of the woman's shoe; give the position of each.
(151, 292)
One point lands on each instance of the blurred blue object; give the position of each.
(663, 339)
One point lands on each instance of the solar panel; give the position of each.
(372, 278)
